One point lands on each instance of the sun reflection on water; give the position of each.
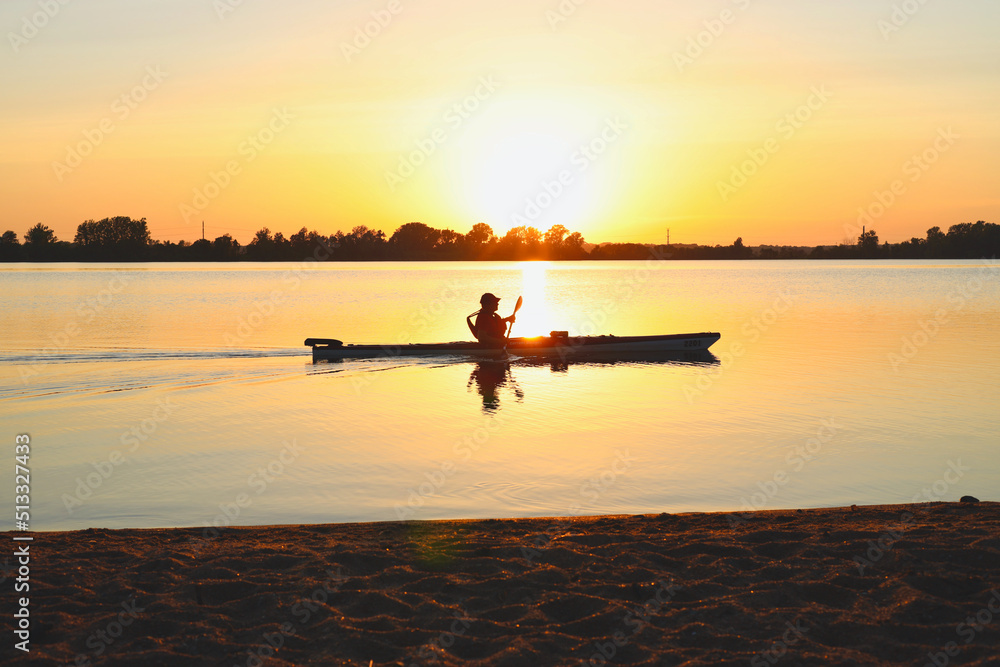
(534, 318)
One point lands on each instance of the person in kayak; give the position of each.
(489, 328)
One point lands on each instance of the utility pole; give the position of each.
(202, 230)
(668, 237)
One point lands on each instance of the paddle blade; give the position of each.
(517, 306)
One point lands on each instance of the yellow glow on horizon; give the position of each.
(524, 162)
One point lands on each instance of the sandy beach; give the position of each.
(891, 585)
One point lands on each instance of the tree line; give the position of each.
(124, 239)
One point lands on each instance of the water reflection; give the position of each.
(676, 357)
(490, 377)
(493, 379)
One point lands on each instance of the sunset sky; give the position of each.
(775, 121)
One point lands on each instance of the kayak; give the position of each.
(557, 345)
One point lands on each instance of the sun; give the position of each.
(525, 162)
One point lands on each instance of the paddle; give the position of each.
(517, 307)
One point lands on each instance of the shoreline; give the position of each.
(880, 584)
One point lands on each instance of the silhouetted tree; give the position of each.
(125, 239)
(740, 251)
(572, 247)
(621, 251)
(225, 248)
(522, 242)
(10, 247)
(40, 235)
(200, 251)
(480, 241)
(261, 248)
(971, 240)
(450, 244)
(553, 240)
(361, 243)
(481, 234)
(311, 245)
(937, 242)
(120, 239)
(414, 239)
(40, 243)
(282, 248)
(868, 242)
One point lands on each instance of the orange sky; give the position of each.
(776, 121)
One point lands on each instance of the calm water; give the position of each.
(178, 395)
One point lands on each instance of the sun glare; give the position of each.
(522, 164)
(534, 318)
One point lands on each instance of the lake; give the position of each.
(163, 395)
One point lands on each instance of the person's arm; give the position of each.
(472, 327)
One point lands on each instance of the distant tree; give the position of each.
(937, 242)
(123, 238)
(261, 248)
(120, 238)
(361, 243)
(449, 243)
(620, 251)
(300, 243)
(40, 235)
(40, 243)
(532, 237)
(913, 249)
(572, 246)
(553, 238)
(522, 242)
(282, 249)
(449, 237)
(868, 243)
(740, 251)
(414, 239)
(225, 248)
(168, 251)
(10, 247)
(311, 245)
(478, 243)
(200, 251)
(481, 234)
(970, 240)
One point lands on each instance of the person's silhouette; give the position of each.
(489, 376)
(489, 328)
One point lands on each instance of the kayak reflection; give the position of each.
(562, 363)
(489, 377)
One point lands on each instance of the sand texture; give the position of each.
(890, 585)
